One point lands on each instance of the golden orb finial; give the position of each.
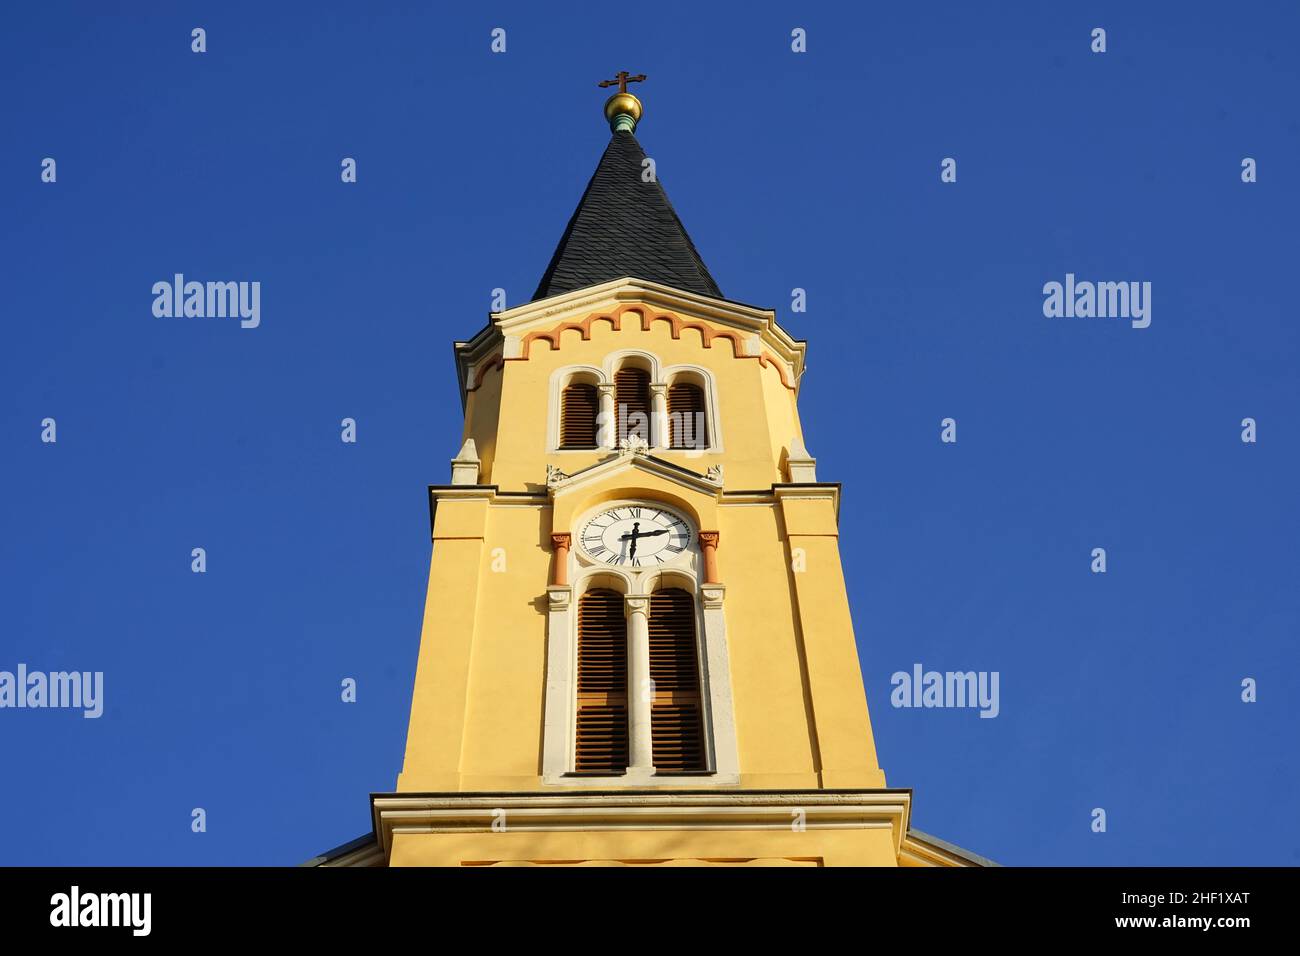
(623, 110)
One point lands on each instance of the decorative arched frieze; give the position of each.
(708, 334)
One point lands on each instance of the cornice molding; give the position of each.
(923, 850)
(916, 848)
(629, 291)
(816, 491)
(418, 813)
(708, 484)
(367, 856)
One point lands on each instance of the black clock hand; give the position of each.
(637, 533)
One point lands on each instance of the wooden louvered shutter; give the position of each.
(674, 668)
(602, 684)
(579, 405)
(632, 402)
(686, 424)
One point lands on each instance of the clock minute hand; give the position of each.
(634, 535)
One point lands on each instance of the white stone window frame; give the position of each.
(703, 378)
(560, 716)
(661, 379)
(561, 379)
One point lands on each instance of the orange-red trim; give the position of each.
(765, 360)
(482, 370)
(615, 318)
(552, 337)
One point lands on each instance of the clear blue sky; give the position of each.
(819, 171)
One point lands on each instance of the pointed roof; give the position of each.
(625, 227)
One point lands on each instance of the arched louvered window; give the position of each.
(632, 402)
(687, 427)
(602, 684)
(579, 405)
(676, 725)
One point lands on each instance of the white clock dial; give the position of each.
(636, 536)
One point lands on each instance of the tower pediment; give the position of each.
(633, 472)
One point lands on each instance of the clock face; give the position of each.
(636, 536)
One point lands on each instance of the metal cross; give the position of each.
(622, 78)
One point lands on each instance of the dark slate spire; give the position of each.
(625, 227)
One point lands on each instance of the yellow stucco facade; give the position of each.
(791, 775)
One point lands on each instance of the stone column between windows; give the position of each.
(721, 721)
(557, 732)
(709, 544)
(659, 405)
(640, 690)
(607, 435)
(560, 546)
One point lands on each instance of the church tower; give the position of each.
(637, 645)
